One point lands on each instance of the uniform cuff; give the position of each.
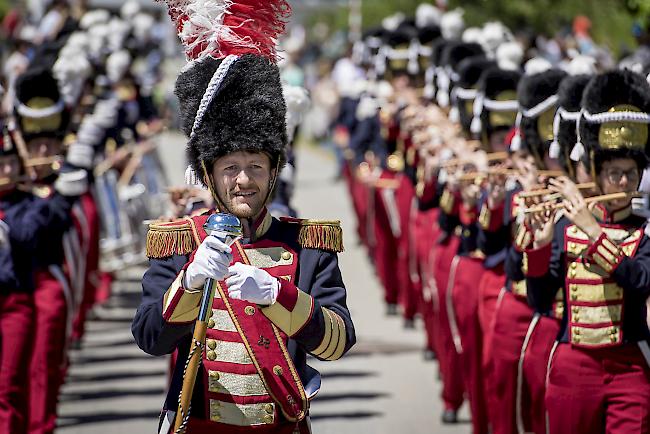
(536, 261)
(292, 309)
(491, 219)
(181, 305)
(334, 339)
(605, 253)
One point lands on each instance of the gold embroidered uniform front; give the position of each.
(597, 303)
(594, 299)
(254, 372)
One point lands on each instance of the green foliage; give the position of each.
(612, 20)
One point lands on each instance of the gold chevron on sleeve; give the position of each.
(333, 344)
(291, 322)
(179, 304)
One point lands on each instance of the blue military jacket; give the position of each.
(317, 275)
(30, 220)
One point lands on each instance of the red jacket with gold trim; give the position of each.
(605, 283)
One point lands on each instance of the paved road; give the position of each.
(382, 386)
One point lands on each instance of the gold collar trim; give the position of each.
(603, 216)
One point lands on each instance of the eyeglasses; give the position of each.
(615, 175)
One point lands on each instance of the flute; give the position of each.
(589, 200)
(545, 191)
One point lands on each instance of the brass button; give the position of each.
(211, 323)
(268, 419)
(573, 287)
(212, 344)
(268, 408)
(212, 355)
(576, 332)
(613, 338)
(249, 310)
(572, 273)
(576, 318)
(574, 297)
(613, 331)
(277, 370)
(286, 255)
(575, 309)
(572, 246)
(215, 417)
(214, 375)
(576, 340)
(574, 265)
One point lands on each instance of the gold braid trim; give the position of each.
(173, 238)
(323, 235)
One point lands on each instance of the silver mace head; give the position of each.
(224, 226)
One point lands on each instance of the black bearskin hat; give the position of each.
(400, 58)
(455, 52)
(230, 94)
(537, 96)
(614, 122)
(428, 34)
(569, 98)
(252, 117)
(464, 94)
(496, 105)
(39, 108)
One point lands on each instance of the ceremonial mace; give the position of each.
(227, 228)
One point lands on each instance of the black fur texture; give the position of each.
(532, 90)
(603, 92)
(247, 114)
(456, 52)
(39, 82)
(570, 95)
(493, 82)
(470, 71)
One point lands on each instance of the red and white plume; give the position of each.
(218, 28)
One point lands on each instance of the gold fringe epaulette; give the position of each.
(323, 235)
(165, 239)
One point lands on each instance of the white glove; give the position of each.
(4, 235)
(252, 284)
(211, 261)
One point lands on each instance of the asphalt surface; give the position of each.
(383, 385)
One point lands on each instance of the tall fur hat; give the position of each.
(230, 93)
(537, 96)
(401, 52)
(39, 108)
(496, 104)
(615, 118)
(466, 89)
(564, 123)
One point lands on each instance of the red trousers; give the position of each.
(598, 391)
(386, 249)
(462, 310)
(449, 361)
(16, 332)
(542, 335)
(426, 232)
(408, 284)
(87, 227)
(48, 356)
(509, 328)
(490, 286)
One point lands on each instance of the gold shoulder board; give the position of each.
(321, 234)
(165, 239)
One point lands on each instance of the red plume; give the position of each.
(218, 28)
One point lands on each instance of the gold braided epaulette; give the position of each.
(318, 234)
(165, 239)
(321, 234)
